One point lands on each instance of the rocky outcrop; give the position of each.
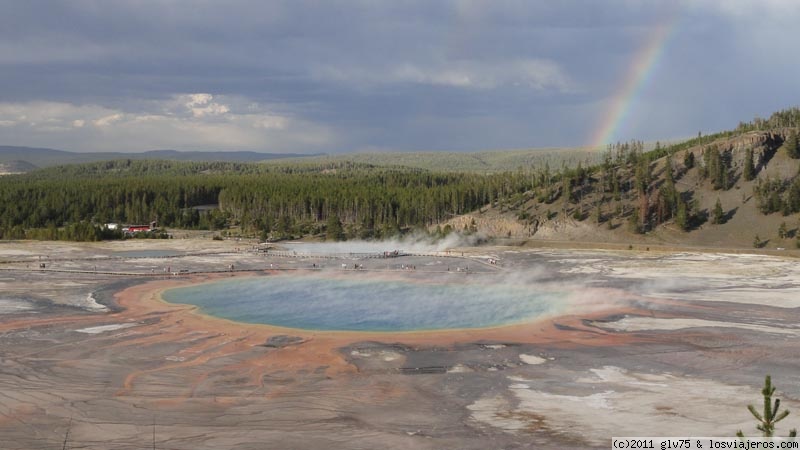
(493, 226)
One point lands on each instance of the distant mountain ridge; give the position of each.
(46, 157)
(483, 162)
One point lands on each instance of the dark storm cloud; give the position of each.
(336, 76)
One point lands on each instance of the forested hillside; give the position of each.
(754, 166)
(282, 201)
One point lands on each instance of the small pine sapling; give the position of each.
(771, 415)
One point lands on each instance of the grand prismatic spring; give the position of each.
(358, 303)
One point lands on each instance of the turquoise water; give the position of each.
(317, 302)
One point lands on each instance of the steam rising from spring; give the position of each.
(408, 243)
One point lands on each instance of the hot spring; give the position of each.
(354, 303)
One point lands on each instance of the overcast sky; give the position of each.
(338, 76)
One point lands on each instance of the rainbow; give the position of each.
(640, 70)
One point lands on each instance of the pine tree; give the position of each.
(688, 160)
(749, 171)
(783, 233)
(633, 222)
(598, 214)
(644, 177)
(793, 198)
(704, 168)
(770, 416)
(668, 193)
(682, 216)
(719, 214)
(334, 230)
(669, 173)
(792, 146)
(717, 167)
(786, 208)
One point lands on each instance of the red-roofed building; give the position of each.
(131, 229)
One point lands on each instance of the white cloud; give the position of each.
(192, 100)
(183, 121)
(107, 120)
(537, 74)
(202, 104)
